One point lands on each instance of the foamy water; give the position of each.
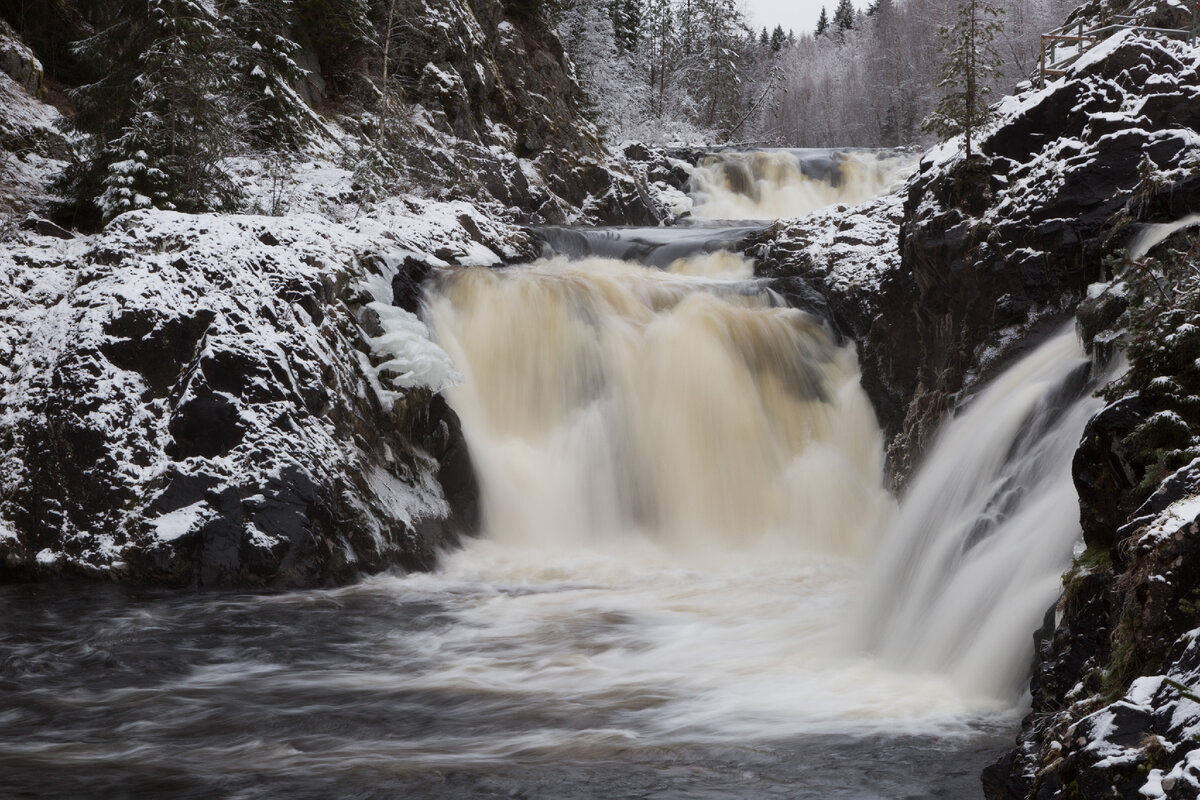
(772, 184)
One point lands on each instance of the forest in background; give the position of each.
(160, 96)
(694, 70)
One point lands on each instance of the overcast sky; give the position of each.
(797, 15)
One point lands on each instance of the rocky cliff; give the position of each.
(223, 400)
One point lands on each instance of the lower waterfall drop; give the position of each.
(682, 483)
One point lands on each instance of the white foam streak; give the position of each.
(1153, 235)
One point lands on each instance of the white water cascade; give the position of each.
(685, 520)
(770, 184)
(604, 400)
(975, 555)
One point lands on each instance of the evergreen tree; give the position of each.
(777, 38)
(344, 38)
(663, 48)
(627, 23)
(158, 118)
(971, 64)
(266, 71)
(718, 23)
(843, 15)
(763, 38)
(822, 22)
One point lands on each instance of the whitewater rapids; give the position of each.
(683, 493)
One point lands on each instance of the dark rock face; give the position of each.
(502, 114)
(1012, 240)
(193, 400)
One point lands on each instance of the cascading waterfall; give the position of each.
(691, 582)
(682, 480)
(692, 472)
(602, 398)
(974, 557)
(770, 184)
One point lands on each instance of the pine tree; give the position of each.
(158, 118)
(764, 39)
(822, 22)
(971, 64)
(843, 15)
(267, 72)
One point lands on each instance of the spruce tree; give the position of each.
(717, 25)
(777, 38)
(266, 70)
(822, 22)
(843, 15)
(971, 64)
(157, 118)
(627, 23)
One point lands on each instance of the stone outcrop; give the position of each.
(206, 400)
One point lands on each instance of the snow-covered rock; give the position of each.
(231, 400)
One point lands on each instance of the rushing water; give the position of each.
(770, 184)
(691, 582)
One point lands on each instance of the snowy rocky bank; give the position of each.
(249, 400)
(232, 400)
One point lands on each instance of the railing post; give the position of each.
(1081, 38)
(1042, 66)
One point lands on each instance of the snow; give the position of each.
(170, 527)
(256, 278)
(851, 247)
(1173, 519)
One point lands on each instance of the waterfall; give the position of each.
(974, 557)
(686, 529)
(603, 398)
(770, 184)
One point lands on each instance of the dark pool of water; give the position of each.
(111, 693)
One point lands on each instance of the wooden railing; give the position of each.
(1076, 41)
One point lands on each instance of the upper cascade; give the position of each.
(773, 184)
